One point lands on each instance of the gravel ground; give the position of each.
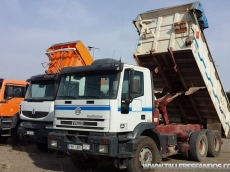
(28, 158)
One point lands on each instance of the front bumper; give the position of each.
(35, 132)
(77, 145)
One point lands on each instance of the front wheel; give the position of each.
(15, 136)
(146, 153)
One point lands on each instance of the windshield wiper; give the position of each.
(66, 97)
(89, 97)
(38, 100)
(33, 100)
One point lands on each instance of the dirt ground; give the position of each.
(29, 159)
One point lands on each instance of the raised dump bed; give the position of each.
(172, 45)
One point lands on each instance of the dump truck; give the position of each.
(123, 121)
(37, 109)
(12, 92)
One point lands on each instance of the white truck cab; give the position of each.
(100, 108)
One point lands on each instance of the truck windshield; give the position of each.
(40, 91)
(97, 86)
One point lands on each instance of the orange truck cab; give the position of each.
(12, 92)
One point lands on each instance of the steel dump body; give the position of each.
(67, 54)
(173, 46)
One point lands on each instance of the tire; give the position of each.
(184, 155)
(146, 148)
(23, 141)
(42, 147)
(214, 143)
(198, 146)
(3, 140)
(86, 164)
(14, 137)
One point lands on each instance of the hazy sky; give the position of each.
(28, 28)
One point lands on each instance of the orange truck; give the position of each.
(37, 109)
(12, 92)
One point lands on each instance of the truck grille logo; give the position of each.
(78, 111)
(77, 123)
(33, 112)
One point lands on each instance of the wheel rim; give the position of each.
(145, 156)
(216, 144)
(202, 147)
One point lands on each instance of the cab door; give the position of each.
(132, 111)
(12, 97)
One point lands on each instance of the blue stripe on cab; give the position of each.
(144, 109)
(101, 108)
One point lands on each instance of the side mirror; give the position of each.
(8, 94)
(9, 91)
(125, 106)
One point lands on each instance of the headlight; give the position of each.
(25, 124)
(49, 127)
(21, 124)
(53, 143)
(103, 149)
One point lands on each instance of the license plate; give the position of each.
(86, 147)
(30, 132)
(74, 147)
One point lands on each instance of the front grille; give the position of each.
(37, 114)
(80, 127)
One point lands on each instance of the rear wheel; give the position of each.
(185, 155)
(146, 153)
(85, 164)
(198, 146)
(42, 147)
(214, 143)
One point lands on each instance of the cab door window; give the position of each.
(126, 86)
(14, 91)
(139, 76)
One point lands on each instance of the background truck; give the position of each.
(126, 122)
(37, 109)
(12, 92)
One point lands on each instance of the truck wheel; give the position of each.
(42, 147)
(84, 165)
(184, 155)
(214, 143)
(3, 140)
(14, 137)
(146, 153)
(198, 146)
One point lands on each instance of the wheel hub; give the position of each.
(216, 144)
(202, 147)
(145, 156)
